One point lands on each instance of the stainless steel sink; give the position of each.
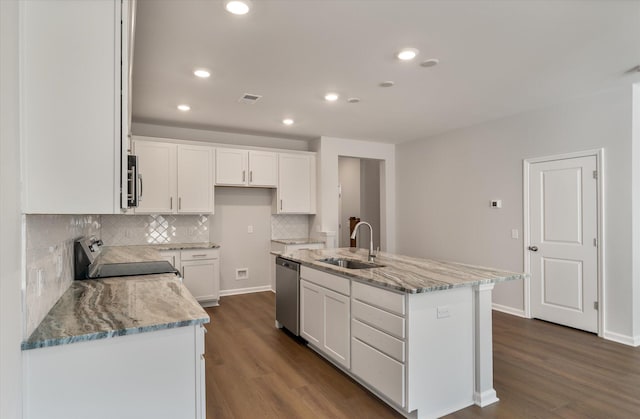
(350, 263)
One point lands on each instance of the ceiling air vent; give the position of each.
(249, 98)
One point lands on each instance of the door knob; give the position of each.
(533, 248)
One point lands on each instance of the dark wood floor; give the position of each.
(541, 370)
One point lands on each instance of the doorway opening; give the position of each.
(359, 198)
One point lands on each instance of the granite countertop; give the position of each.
(306, 240)
(104, 308)
(403, 273)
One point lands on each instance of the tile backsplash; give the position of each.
(123, 230)
(49, 258)
(289, 226)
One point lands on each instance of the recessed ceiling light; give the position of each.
(288, 121)
(431, 62)
(331, 97)
(353, 100)
(203, 74)
(238, 7)
(407, 54)
(184, 108)
(388, 83)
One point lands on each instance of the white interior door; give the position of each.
(563, 242)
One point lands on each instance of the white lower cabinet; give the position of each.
(325, 319)
(200, 269)
(156, 375)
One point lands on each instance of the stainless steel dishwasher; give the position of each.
(288, 295)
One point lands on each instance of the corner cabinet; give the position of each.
(238, 167)
(71, 120)
(325, 314)
(174, 178)
(296, 192)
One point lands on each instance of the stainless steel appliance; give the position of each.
(86, 263)
(288, 294)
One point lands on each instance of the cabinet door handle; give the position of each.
(244, 175)
(171, 203)
(281, 205)
(250, 176)
(179, 203)
(140, 177)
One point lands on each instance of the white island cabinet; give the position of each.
(426, 354)
(73, 67)
(156, 375)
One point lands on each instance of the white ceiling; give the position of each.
(496, 58)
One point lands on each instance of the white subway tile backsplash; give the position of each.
(49, 260)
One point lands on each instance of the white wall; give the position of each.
(10, 218)
(236, 209)
(349, 178)
(445, 184)
(165, 131)
(636, 211)
(329, 149)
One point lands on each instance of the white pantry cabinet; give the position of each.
(325, 314)
(238, 167)
(72, 58)
(200, 269)
(156, 374)
(296, 184)
(174, 178)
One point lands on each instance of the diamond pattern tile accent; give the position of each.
(123, 230)
(285, 226)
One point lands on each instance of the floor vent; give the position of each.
(250, 98)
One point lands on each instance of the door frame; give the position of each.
(600, 193)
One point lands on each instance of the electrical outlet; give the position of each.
(443, 312)
(514, 233)
(250, 229)
(242, 273)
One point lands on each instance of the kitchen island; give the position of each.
(415, 332)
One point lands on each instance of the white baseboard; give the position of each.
(509, 310)
(620, 338)
(250, 290)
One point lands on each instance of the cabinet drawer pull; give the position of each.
(199, 256)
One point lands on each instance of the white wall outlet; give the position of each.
(249, 229)
(242, 273)
(443, 312)
(495, 203)
(515, 233)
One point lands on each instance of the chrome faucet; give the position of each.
(353, 236)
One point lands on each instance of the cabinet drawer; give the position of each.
(385, 321)
(386, 344)
(199, 254)
(333, 282)
(384, 299)
(378, 370)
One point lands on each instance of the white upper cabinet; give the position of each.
(70, 83)
(296, 184)
(237, 167)
(263, 169)
(195, 179)
(174, 178)
(231, 167)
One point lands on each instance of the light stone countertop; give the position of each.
(109, 307)
(403, 273)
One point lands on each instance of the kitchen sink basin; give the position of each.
(350, 263)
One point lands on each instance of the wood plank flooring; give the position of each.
(541, 370)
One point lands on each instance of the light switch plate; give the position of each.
(443, 312)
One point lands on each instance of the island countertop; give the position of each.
(109, 307)
(403, 273)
